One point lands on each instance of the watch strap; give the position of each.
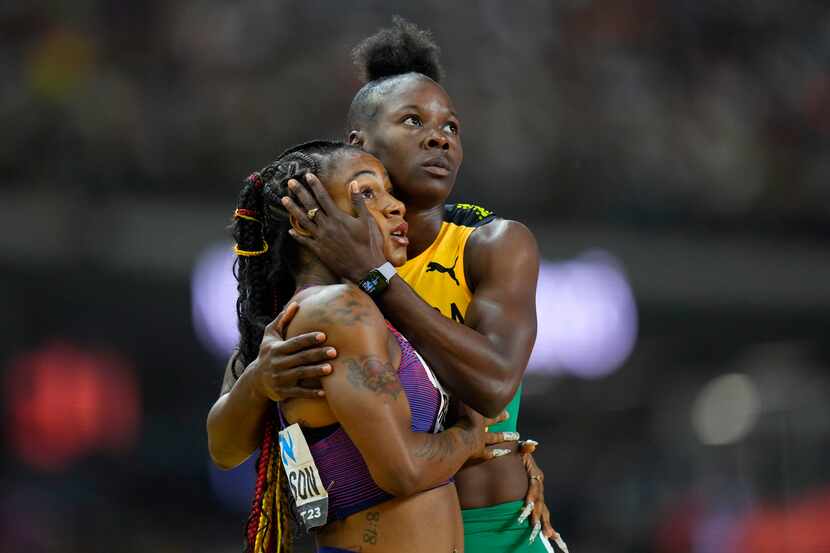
(387, 270)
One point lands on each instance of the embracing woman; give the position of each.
(379, 461)
(465, 298)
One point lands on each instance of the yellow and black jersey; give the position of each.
(437, 273)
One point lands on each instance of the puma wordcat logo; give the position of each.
(435, 266)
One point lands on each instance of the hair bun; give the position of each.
(402, 48)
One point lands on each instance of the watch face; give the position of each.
(374, 283)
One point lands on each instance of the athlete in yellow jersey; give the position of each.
(477, 270)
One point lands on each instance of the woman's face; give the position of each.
(416, 134)
(363, 174)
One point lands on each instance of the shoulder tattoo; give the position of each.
(346, 310)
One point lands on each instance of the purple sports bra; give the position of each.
(343, 470)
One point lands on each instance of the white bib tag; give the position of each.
(310, 496)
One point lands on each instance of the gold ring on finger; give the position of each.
(312, 213)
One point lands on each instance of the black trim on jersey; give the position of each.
(467, 215)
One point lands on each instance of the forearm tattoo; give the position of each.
(371, 373)
(436, 447)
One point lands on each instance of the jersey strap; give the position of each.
(467, 215)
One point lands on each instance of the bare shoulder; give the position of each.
(501, 232)
(502, 241)
(335, 309)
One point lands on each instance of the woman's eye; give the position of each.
(452, 128)
(367, 193)
(413, 120)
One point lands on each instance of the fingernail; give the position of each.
(308, 177)
(536, 528)
(321, 337)
(331, 352)
(321, 393)
(500, 452)
(531, 442)
(510, 436)
(284, 200)
(292, 184)
(526, 512)
(326, 368)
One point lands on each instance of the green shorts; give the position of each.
(495, 530)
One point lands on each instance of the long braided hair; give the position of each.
(264, 269)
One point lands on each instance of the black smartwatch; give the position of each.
(377, 280)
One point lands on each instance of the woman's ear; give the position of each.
(295, 224)
(356, 138)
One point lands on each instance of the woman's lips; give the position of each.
(436, 171)
(400, 240)
(398, 234)
(438, 166)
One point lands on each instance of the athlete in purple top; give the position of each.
(375, 432)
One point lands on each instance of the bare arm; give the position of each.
(481, 362)
(366, 397)
(235, 422)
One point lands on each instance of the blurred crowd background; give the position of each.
(672, 158)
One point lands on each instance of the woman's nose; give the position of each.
(438, 140)
(395, 207)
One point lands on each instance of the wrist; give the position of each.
(365, 268)
(471, 435)
(377, 280)
(250, 382)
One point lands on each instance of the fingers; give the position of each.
(499, 437)
(536, 513)
(537, 527)
(560, 542)
(303, 240)
(528, 508)
(358, 202)
(303, 373)
(503, 416)
(304, 197)
(300, 214)
(296, 392)
(283, 319)
(547, 528)
(493, 452)
(321, 195)
(303, 342)
(302, 359)
(527, 446)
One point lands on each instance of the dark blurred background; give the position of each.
(672, 158)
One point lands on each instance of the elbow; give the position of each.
(223, 464)
(222, 455)
(402, 482)
(494, 399)
(399, 487)
(225, 460)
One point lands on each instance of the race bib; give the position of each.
(304, 480)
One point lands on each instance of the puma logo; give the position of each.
(435, 266)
